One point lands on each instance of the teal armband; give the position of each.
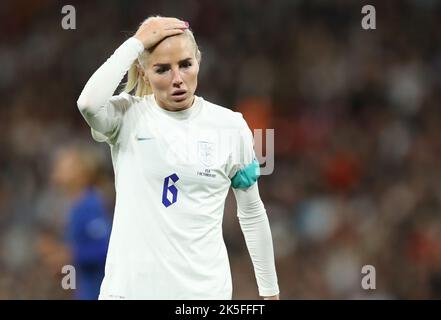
(246, 177)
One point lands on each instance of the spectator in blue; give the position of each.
(76, 170)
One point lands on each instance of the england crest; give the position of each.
(206, 153)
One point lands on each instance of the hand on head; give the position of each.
(155, 29)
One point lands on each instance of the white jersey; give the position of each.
(173, 171)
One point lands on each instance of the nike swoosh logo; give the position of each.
(144, 138)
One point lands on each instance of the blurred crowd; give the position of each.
(357, 177)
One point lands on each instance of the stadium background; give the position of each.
(357, 177)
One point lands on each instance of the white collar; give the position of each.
(185, 114)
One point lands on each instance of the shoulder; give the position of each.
(129, 106)
(224, 116)
(125, 99)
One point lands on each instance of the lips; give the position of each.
(179, 94)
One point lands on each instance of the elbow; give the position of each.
(86, 101)
(252, 215)
(83, 104)
(252, 218)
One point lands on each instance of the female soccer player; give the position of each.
(175, 155)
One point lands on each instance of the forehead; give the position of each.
(173, 49)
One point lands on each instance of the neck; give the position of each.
(171, 109)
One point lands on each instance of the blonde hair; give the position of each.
(135, 81)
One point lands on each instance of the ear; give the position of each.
(142, 72)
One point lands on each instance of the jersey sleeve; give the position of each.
(106, 123)
(101, 110)
(255, 226)
(245, 168)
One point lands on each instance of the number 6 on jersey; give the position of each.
(173, 190)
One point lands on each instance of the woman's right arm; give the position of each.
(102, 113)
(101, 110)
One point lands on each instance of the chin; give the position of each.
(183, 104)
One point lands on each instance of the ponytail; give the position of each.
(135, 82)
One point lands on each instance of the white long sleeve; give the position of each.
(99, 107)
(256, 229)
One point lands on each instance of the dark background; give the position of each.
(357, 121)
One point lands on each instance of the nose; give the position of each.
(177, 79)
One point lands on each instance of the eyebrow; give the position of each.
(167, 64)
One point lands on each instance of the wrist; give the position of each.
(138, 43)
